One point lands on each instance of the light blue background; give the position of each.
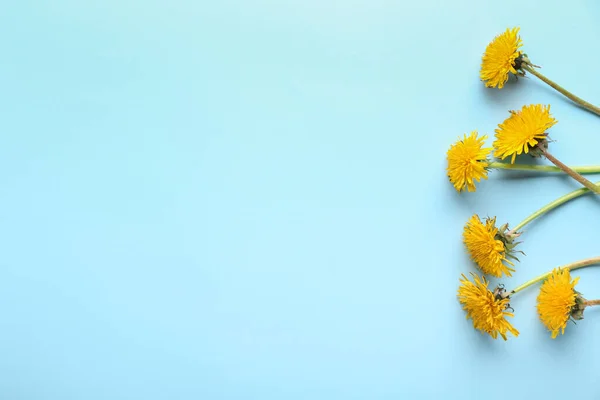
(247, 199)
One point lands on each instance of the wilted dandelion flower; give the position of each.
(489, 247)
(485, 308)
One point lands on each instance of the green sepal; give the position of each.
(577, 311)
(508, 239)
(535, 151)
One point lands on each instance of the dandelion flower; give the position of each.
(501, 57)
(557, 300)
(525, 132)
(522, 131)
(492, 247)
(467, 162)
(489, 247)
(485, 308)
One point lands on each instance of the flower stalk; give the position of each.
(588, 262)
(503, 56)
(569, 171)
(549, 207)
(527, 66)
(587, 169)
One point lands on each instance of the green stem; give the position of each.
(569, 171)
(588, 169)
(573, 266)
(551, 206)
(578, 100)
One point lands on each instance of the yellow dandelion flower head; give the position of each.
(487, 309)
(467, 162)
(486, 247)
(522, 131)
(557, 300)
(501, 56)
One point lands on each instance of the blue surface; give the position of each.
(247, 200)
